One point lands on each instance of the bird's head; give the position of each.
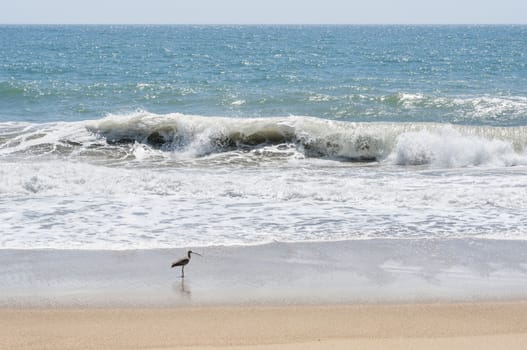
(191, 252)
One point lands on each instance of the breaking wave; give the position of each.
(142, 136)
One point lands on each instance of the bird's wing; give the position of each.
(180, 262)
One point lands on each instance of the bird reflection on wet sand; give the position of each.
(179, 288)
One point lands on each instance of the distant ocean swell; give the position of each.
(144, 136)
(346, 103)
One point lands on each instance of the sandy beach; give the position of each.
(377, 294)
(411, 326)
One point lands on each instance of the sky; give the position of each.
(263, 12)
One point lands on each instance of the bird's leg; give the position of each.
(183, 271)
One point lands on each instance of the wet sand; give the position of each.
(349, 272)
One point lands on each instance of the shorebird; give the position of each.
(184, 261)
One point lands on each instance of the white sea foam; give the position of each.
(447, 147)
(238, 102)
(64, 204)
(144, 136)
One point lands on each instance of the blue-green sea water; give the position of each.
(452, 74)
(120, 137)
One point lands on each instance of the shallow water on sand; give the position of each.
(381, 270)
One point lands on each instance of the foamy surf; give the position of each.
(63, 204)
(144, 180)
(147, 137)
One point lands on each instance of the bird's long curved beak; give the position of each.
(197, 254)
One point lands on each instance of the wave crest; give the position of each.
(143, 136)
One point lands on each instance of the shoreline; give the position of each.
(426, 326)
(348, 272)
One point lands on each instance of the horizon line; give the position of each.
(265, 24)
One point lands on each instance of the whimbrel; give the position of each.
(184, 261)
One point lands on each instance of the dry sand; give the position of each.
(412, 326)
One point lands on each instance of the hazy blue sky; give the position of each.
(263, 11)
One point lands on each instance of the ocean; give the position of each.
(146, 137)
